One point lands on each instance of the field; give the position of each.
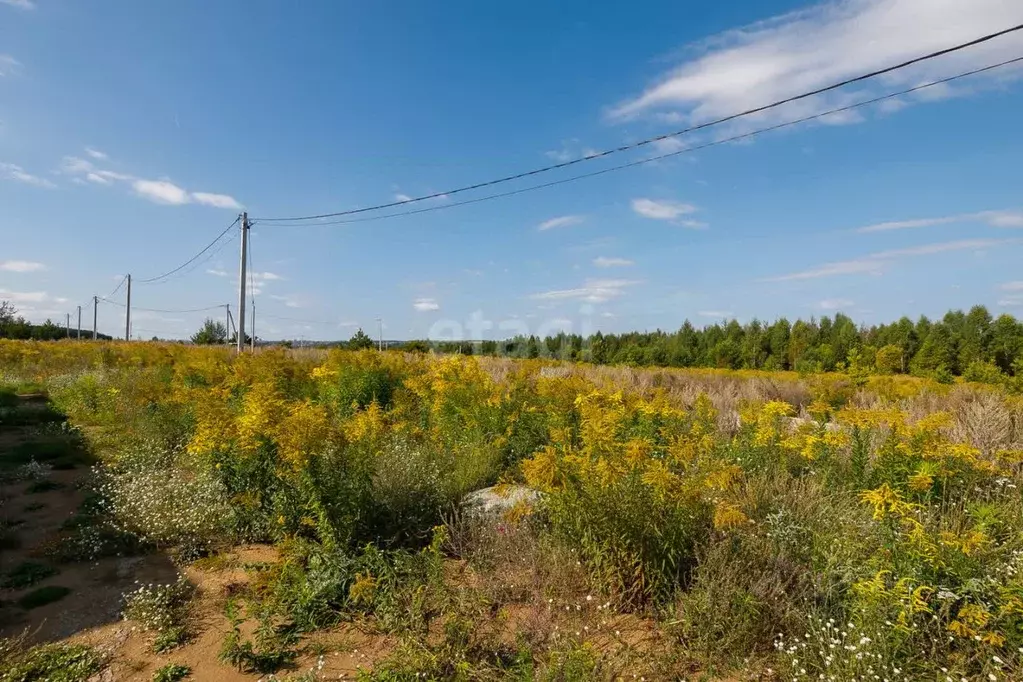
(172, 512)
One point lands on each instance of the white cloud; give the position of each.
(569, 151)
(605, 262)
(20, 4)
(716, 313)
(21, 266)
(265, 276)
(161, 192)
(158, 191)
(218, 273)
(665, 210)
(402, 197)
(291, 300)
(876, 262)
(8, 65)
(560, 221)
(28, 297)
(992, 218)
(1012, 286)
(835, 304)
(608, 315)
(15, 172)
(426, 304)
(808, 49)
(592, 291)
(216, 200)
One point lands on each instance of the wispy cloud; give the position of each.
(8, 65)
(20, 4)
(1012, 286)
(291, 300)
(811, 48)
(29, 297)
(606, 262)
(992, 218)
(162, 191)
(10, 171)
(835, 303)
(671, 211)
(876, 262)
(426, 304)
(21, 266)
(218, 273)
(402, 197)
(592, 291)
(560, 221)
(96, 154)
(720, 314)
(569, 151)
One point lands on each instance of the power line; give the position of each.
(118, 287)
(661, 157)
(190, 260)
(651, 140)
(158, 310)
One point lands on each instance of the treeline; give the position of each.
(14, 326)
(973, 344)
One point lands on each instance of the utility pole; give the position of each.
(95, 305)
(252, 337)
(68, 324)
(79, 323)
(227, 319)
(380, 334)
(241, 282)
(127, 313)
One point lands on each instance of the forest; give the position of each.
(973, 344)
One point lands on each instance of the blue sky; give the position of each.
(132, 133)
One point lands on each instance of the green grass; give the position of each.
(26, 574)
(43, 596)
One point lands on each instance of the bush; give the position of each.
(158, 607)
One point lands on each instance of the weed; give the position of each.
(172, 672)
(51, 663)
(169, 639)
(272, 649)
(42, 596)
(26, 574)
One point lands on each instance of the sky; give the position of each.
(132, 134)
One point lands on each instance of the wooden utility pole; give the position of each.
(241, 282)
(127, 313)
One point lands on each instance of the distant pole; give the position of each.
(79, 323)
(68, 324)
(127, 313)
(95, 305)
(380, 334)
(252, 336)
(241, 282)
(227, 319)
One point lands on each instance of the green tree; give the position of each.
(888, 359)
(211, 332)
(360, 341)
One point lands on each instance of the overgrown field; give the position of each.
(689, 524)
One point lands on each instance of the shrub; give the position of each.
(158, 607)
